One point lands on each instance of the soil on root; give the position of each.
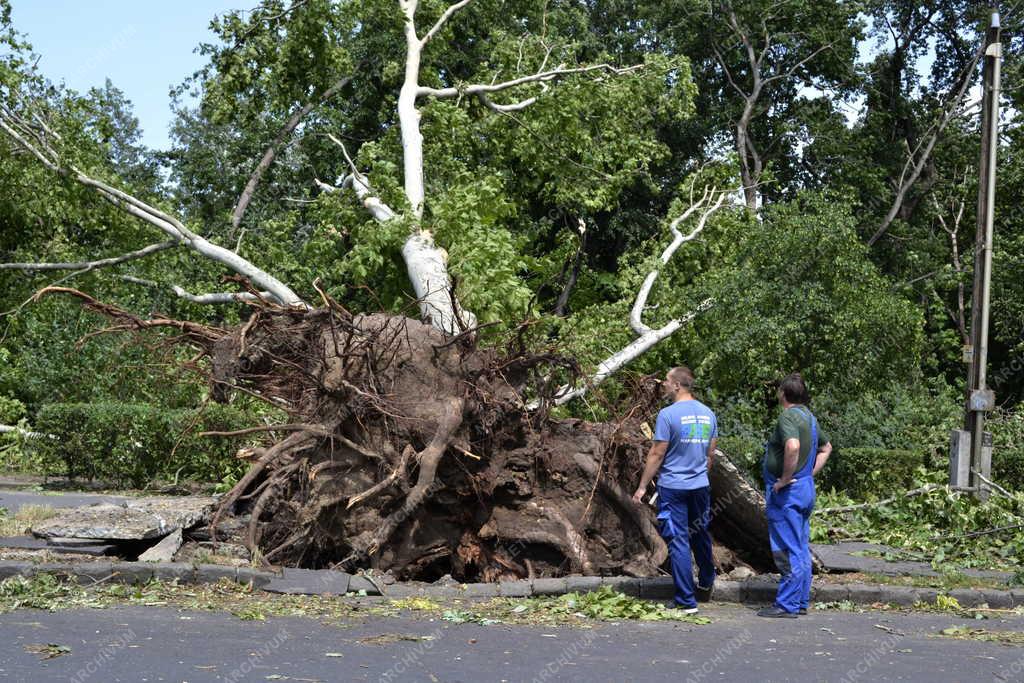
(411, 452)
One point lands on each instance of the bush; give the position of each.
(938, 525)
(746, 453)
(858, 472)
(1008, 448)
(130, 444)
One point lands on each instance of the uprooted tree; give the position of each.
(409, 447)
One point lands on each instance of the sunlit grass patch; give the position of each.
(22, 521)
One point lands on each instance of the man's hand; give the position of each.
(654, 458)
(780, 484)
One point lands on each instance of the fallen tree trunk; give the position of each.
(738, 513)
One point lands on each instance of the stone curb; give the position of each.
(326, 582)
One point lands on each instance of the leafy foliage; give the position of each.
(132, 444)
(608, 604)
(945, 528)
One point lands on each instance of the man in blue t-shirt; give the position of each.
(684, 442)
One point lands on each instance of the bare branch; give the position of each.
(24, 433)
(212, 298)
(636, 314)
(907, 182)
(361, 185)
(647, 337)
(91, 265)
(629, 353)
(574, 272)
(728, 73)
(271, 152)
(443, 20)
(538, 77)
(24, 144)
(504, 108)
(792, 70)
(174, 228)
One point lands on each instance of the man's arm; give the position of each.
(822, 457)
(655, 456)
(791, 456)
(711, 452)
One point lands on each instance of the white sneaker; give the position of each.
(690, 610)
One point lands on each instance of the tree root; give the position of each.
(428, 459)
(333, 488)
(399, 471)
(574, 543)
(291, 443)
(640, 515)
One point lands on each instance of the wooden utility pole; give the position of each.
(980, 399)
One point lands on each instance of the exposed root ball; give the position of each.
(412, 452)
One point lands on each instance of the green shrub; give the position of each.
(859, 472)
(939, 525)
(11, 410)
(130, 444)
(1008, 448)
(746, 453)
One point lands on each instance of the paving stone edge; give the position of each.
(754, 590)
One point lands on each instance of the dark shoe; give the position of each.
(802, 611)
(776, 612)
(704, 594)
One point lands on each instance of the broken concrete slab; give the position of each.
(90, 548)
(72, 542)
(165, 549)
(136, 519)
(184, 513)
(108, 522)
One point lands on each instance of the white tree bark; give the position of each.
(647, 336)
(92, 265)
(628, 354)
(425, 262)
(210, 298)
(13, 127)
(636, 315)
(24, 433)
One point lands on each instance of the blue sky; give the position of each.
(143, 46)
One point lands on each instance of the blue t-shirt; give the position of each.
(688, 427)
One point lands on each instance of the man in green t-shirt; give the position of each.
(796, 451)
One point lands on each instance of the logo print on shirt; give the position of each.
(695, 429)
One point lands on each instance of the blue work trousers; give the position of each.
(684, 516)
(789, 530)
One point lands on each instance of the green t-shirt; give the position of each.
(793, 423)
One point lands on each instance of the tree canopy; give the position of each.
(551, 199)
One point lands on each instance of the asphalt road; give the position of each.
(14, 500)
(162, 644)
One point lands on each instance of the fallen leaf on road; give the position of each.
(48, 650)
